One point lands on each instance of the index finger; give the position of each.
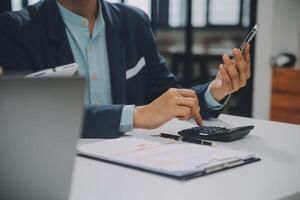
(196, 110)
(241, 66)
(197, 117)
(247, 54)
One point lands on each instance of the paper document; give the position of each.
(175, 159)
(61, 71)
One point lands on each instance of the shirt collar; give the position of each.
(71, 17)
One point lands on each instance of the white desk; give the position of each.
(277, 176)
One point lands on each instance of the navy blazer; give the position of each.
(34, 39)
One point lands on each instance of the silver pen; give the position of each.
(248, 39)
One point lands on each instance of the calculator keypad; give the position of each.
(216, 133)
(207, 130)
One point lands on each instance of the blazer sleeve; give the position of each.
(204, 111)
(12, 55)
(102, 121)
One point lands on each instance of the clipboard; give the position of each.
(160, 158)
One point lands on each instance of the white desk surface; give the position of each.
(276, 176)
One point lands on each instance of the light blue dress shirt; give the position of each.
(90, 53)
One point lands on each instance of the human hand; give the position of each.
(232, 75)
(180, 103)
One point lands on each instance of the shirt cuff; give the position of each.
(126, 123)
(212, 103)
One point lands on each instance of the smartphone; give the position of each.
(249, 37)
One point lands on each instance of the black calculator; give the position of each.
(216, 133)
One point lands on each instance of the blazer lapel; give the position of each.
(116, 54)
(115, 46)
(59, 45)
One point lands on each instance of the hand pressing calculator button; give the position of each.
(216, 133)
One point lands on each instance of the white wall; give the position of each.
(286, 27)
(280, 32)
(262, 78)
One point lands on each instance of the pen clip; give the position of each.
(180, 138)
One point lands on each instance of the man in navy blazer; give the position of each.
(35, 38)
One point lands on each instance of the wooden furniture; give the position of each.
(285, 104)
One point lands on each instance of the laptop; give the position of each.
(40, 123)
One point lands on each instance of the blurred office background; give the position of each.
(193, 34)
